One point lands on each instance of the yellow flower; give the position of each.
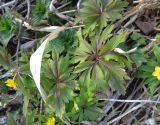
(51, 121)
(11, 83)
(156, 73)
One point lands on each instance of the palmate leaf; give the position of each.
(6, 30)
(100, 79)
(83, 45)
(40, 12)
(106, 33)
(100, 64)
(83, 66)
(153, 86)
(146, 70)
(157, 52)
(123, 60)
(59, 96)
(138, 38)
(114, 42)
(104, 75)
(10, 119)
(90, 114)
(60, 90)
(98, 12)
(5, 58)
(66, 41)
(115, 8)
(139, 57)
(117, 77)
(86, 107)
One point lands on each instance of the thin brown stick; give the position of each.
(131, 101)
(124, 114)
(8, 4)
(28, 9)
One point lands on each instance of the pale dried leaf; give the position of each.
(36, 58)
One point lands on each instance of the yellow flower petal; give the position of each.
(156, 73)
(51, 121)
(158, 77)
(11, 83)
(157, 68)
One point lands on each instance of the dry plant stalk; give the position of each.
(149, 4)
(144, 5)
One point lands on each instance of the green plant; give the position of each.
(60, 82)
(6, 30)
(99, 60)
(11, 120)
(65, 42)
(138, 41)
(92, 66)
(138, 38)
(150, 71)
(157, 37)
(40, 12)
(75, 66)
(86, 107)
(5, 58)
(98, 12)
(139, 57)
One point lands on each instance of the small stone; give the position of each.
(145, 27)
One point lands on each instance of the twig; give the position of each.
(44, 29)
(41, 106)
(74, 27)
(157, 29)
(131, 101)
(18, 45)
(13, 98)
(128, 106)
(69, 11)
(28, 9)
(28, 45)
(149, 46)
(78, 5)
(124, 114)
(22, 5)
(107, 108)
(7, 4)
(60, 15)
(131, 21)
(63, 5)
(5, 75)
(136, 1)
